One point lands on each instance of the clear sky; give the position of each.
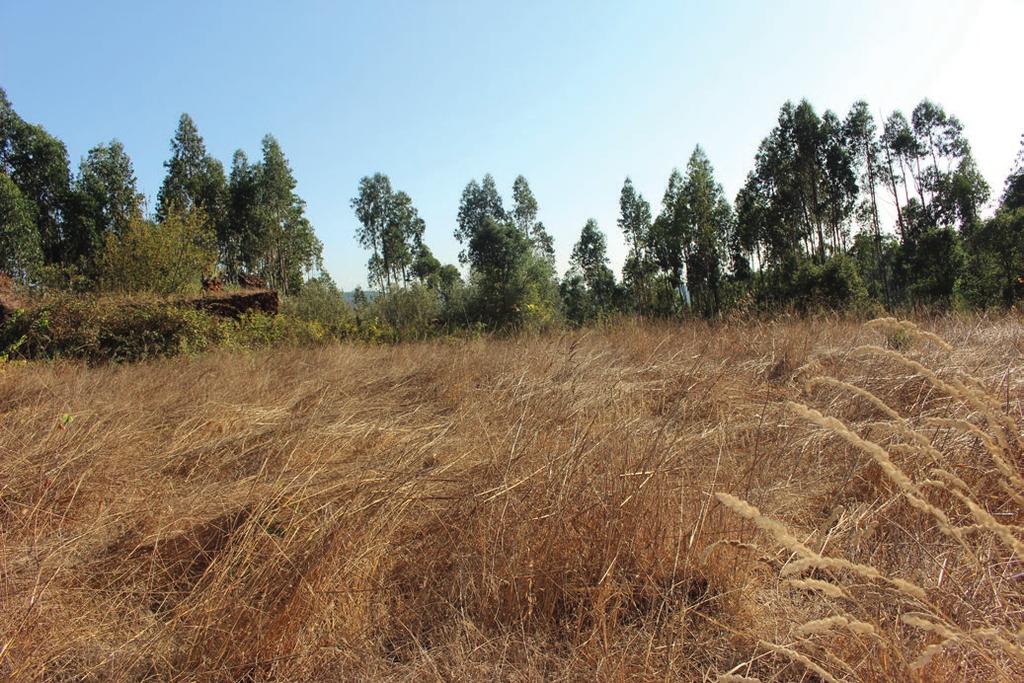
(573, 95)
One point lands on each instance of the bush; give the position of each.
(255, 330)
(166, 258)
(411, 313)
(808, 285)
(836, 284)
(101, 329)
(320, 301)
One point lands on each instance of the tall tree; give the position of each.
(996, 246)
(708, 220)
(373, 207)
(900, 148)
(238, 242)
(106, 199)
(20, 252)
(667, 238)
(1013, 188)
(590, 255)
(510, 282)
(392, 229)
(588, 289)
(290, 248)
(194, 180)
(524, 206)
(403, 238)
(840, 189)
(802, 192)
(37, 163)
(862, 133)
(479, 202)
(635, 223)
(524, 215)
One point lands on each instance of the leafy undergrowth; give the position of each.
(774, 501)
(101, 329)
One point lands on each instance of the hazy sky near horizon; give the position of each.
(573, 95)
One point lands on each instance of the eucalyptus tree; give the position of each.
(996, 246)
(20, 252)
(105, 200)
(901, 149)
(1013, 188)
(588, 289)
(511, 280)
(708, 222)
(479, 202)
(239, 242)
(195, 180)
(390, 226)
(800, 196)
(862, 134)
(524, 216)
(287, 247)
(667, 241)
(37, 164)
(635, 223)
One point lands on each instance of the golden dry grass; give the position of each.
(645, 502)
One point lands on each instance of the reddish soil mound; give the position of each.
(234, 304)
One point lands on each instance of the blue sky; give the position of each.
(573, 95)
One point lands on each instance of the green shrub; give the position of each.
(166, 258)
(411, 313)
(320, 301)
(99, 329)
(256, 330)
(808, 285)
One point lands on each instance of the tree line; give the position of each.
(90, 230)
(837, 211)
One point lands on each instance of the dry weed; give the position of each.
(534, 509)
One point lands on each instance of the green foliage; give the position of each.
(876, 258)
(281, 245)
(320, 301)
(194, 180)
(835, 285)
(707, 221)
(480, 201)
(589, 291)
(119, 329)
(808, 285)
(413, 312)
(995, 259)
(512, 282)
(256, 330)
(104, 201)
(930, 266)
(20, 252)
(639, 269)
(524, 216)
(801, 193)
(166, 258)
(805, 232)
(391, 228)
(37, 163)
(102, 329)
(510, 286)
(1013, 189)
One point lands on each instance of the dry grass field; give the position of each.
(795, 500)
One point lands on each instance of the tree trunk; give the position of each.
(895, 195)
(877, 228)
